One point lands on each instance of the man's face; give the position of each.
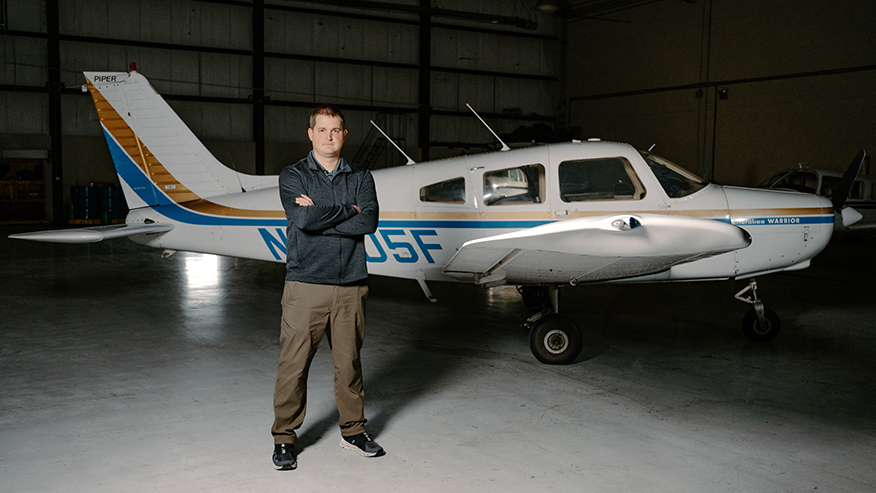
(327, 137)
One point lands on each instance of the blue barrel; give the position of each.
(86, 202)
(112, 202)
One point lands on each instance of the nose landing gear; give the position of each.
(760, 324)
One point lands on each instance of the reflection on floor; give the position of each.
(121, 371)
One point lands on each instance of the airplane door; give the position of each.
(444, 217)
(596, 181)
(511, 195)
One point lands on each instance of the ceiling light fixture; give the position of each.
(547, 6)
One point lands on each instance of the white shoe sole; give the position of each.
(349, 446)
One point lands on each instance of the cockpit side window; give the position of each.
(513, 186)
(599, 179)
(445, 192)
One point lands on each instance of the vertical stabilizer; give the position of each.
(158, 159)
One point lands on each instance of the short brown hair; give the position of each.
(327, 110)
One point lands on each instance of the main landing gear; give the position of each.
(553, 338)
(760, 324)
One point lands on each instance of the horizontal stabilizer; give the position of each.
(594, 249)
(93, 234)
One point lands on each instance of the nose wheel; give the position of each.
(760, 324)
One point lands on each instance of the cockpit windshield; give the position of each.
(675, 180)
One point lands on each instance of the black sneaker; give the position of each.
(363, 444)
(284, 457)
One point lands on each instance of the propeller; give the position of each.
(845, 185)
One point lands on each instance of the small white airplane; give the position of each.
(539, 217)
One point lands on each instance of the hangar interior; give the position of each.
(731, 90)
(122, 371)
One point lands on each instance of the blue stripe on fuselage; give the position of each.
(131, 174)
(781, 220)
(459, 224)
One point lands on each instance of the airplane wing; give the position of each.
(92, 234)
(594, 249)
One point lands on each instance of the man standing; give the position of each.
(330, 204)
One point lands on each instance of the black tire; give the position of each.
(534, 297)
(757, 333)
(555, 340)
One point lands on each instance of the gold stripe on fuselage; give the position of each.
(156, 172)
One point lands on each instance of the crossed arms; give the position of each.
(316, 216)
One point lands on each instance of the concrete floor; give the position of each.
(120, 371)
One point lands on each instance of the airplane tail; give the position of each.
(157, 157)
(161, 164)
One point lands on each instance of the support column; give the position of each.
(258, 84)
(54, 86)
(425, 79)
(706, 118)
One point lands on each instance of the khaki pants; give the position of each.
(309, 310)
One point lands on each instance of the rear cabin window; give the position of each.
(599, 179)
(512, 186)
(445, 192)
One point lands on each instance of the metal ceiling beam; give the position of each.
(290, 56)
(378, 18)
(427, 10)
(595, 8)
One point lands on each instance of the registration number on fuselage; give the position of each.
(405, 246)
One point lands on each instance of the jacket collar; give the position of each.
(342, 167)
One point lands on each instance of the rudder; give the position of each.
(157, 157)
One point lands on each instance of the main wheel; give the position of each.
(758, 332)
(555, 340)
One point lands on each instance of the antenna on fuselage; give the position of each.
(504, 145)
(410, 161)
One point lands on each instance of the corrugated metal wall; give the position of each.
(415, 63)
(732, 89)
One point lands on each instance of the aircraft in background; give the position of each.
(540, 217)
(861, 195)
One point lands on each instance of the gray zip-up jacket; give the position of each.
(325, 242)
